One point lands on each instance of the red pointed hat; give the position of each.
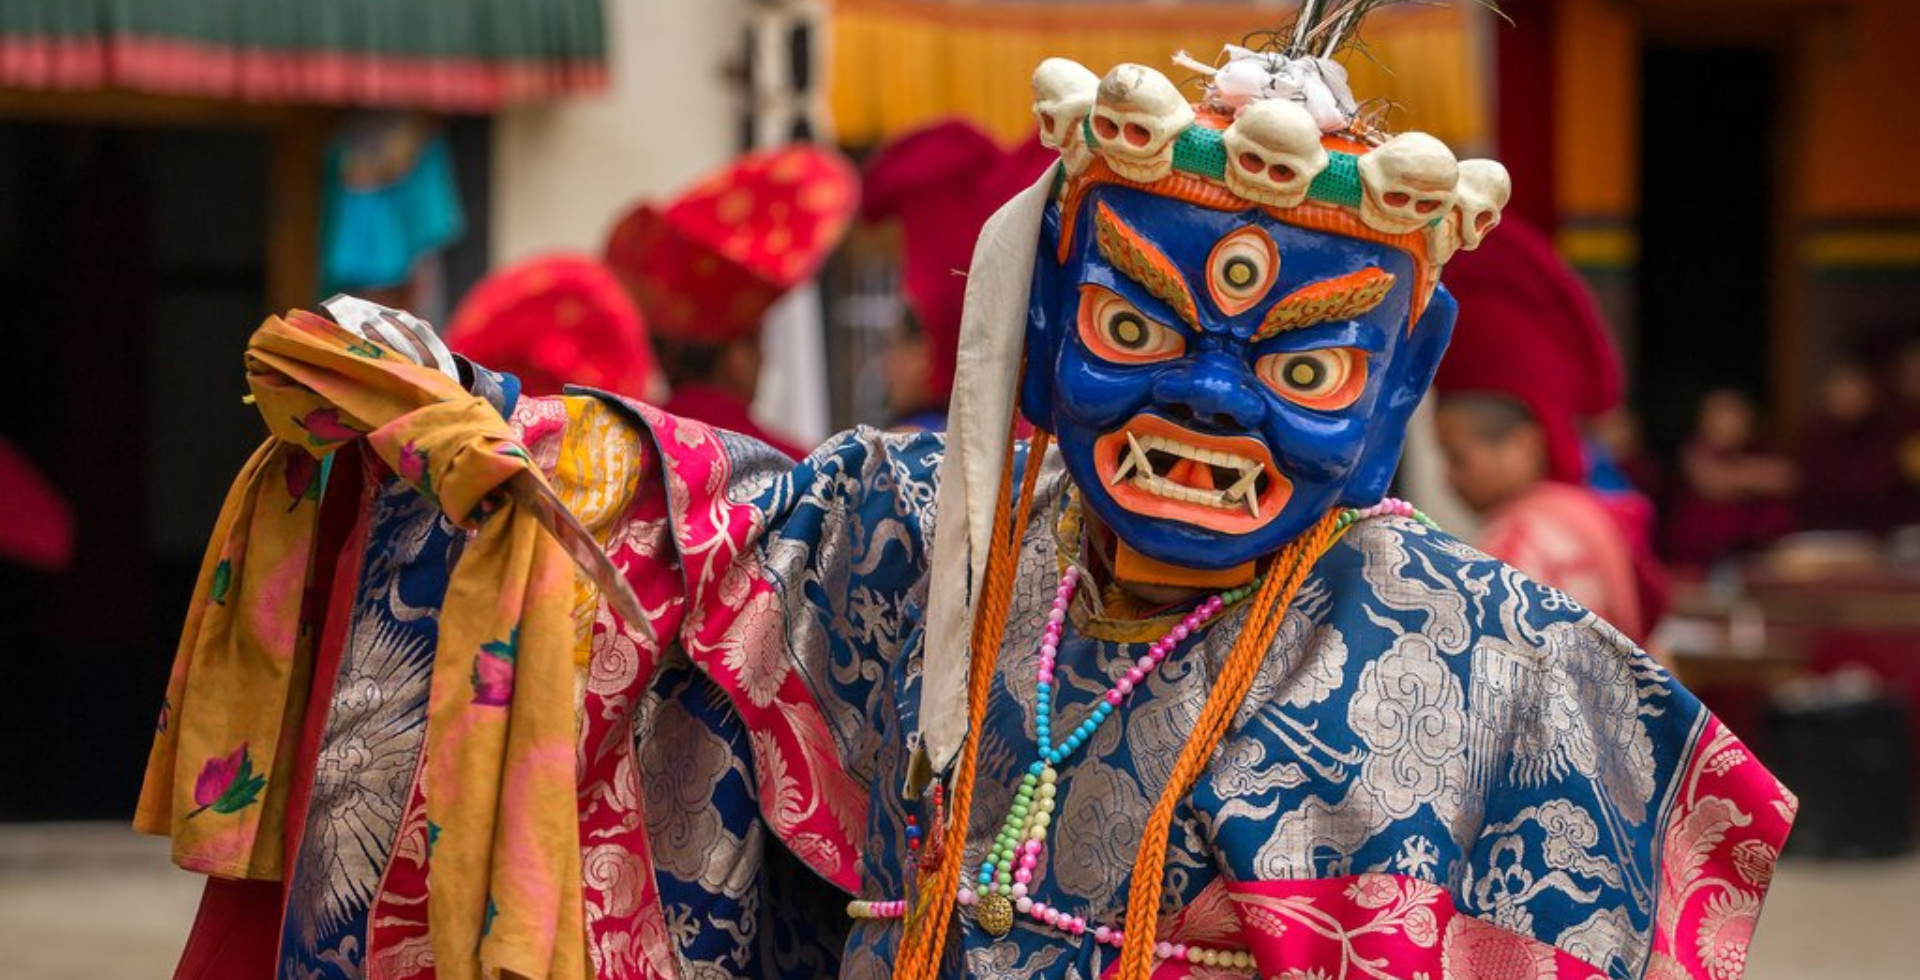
(553, 321)
(943, 182)
(706, 266)
(1529, 329)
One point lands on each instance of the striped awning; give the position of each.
(443, 55)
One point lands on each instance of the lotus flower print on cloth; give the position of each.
(227, 784)
(325, 427)
(493, 671)
(413, 467)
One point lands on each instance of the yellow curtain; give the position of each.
(900, 64)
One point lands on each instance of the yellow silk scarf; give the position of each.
(499, 776)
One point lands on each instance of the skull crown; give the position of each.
(1276, 150)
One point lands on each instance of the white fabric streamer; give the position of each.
(986, 379)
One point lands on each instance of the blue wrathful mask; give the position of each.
(1218, 380)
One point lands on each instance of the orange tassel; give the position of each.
(1285, 574)
(927, 929)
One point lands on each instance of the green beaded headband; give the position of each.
(1200, 151)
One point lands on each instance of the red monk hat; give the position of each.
(1529, 329)
(942, 183)
(706, 266)
(557, 320)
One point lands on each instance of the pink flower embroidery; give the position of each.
(1475, 950)
(1373, 891)
(227, 784)
(413, 467)
(324, 426)
(493, 671)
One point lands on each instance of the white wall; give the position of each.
(564, 172)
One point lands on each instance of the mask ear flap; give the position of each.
(1412, 374)
(1044, 329)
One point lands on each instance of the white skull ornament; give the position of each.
(1485, 189)
(1137, 113)
(1273, 153)
(1408, 181)
(1063, 93)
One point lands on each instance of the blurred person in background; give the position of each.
(1735, 493)
(1905, 390)
(1530, 358)
(390, 209)
(1904, 386)
(1849, 465)
(558, 320)
(941, 183)
(706, 267)
(912, 378)
(1617, 457)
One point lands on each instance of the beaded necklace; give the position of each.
(1007, 875)
(1012, 860)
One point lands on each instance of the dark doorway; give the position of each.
(132, 270)
(1706, 229)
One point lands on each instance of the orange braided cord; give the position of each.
(1284, 577)
(927, 928)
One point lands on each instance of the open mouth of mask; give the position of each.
(1157, 468)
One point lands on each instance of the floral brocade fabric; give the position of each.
(1444, 769)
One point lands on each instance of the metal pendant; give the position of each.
(994, 913)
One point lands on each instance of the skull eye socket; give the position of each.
(1115, 330)
(1241, 269)
(1397, 199)
(1105, 127)
(1484, 221)
(1326, 380)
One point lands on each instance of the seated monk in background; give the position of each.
(1556, 532)
(1735, 494)
(1530, 359)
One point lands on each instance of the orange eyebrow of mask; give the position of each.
(1339, 298)
(1139, 261)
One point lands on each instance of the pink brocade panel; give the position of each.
(1384, 927)
(627, 937)
(735, 631)
(1729, 820)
